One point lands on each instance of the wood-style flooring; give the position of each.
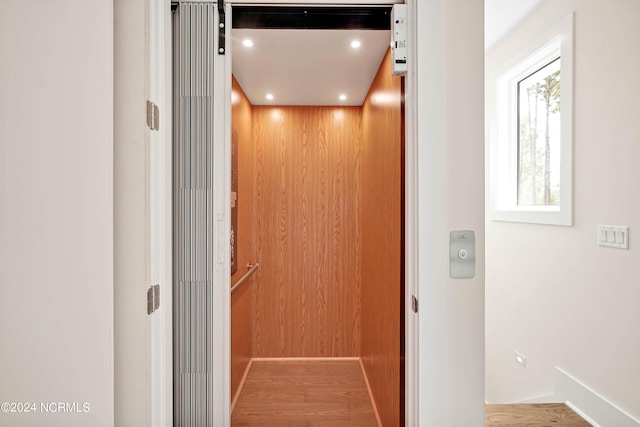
(533, 415)
(304, 394)
(314, 393)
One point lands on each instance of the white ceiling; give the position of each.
(501, 16)
(307, 67)
(313, 67)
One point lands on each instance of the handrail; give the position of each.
(252, 269)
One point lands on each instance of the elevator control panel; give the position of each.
(462, 254)
(399, 34)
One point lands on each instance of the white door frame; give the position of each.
(411, 226)
(160, 170)
(430, 377)
(160, 258)
(411, 319)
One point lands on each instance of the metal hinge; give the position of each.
(153, 116)
(221, 28)
(153, 298)
(414, 303)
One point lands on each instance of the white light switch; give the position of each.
(613, 236)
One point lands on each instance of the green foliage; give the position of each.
(534, 150)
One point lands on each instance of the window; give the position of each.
(531, 146)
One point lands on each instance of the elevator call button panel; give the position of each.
(462, 254)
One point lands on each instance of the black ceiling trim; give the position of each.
(312, 18)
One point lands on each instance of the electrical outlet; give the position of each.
(522, 360)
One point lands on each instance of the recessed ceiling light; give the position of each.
(355, 44)
(247, 43)
(342, 97)
(269, 96)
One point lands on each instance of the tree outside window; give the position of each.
(539, 137)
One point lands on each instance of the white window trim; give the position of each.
(503, 180)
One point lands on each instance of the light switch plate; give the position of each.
(613, 236)
(462, 254)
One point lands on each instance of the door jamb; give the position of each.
(160, 188)
(159, 80)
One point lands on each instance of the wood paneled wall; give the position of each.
(307, 230)
(241, 301)
(325, 216)
(382, 242)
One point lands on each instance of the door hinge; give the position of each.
(221, 244)
(414, 303)
(221, 28)
(153, 298)
(153, 116)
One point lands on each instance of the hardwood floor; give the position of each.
(310, 393)
(304, 394)
(533, 415)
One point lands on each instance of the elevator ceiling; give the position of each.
(307, 67)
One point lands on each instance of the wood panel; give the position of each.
(382, 242)
(304, 393)
(241, 301)
(533, 415)
(306, 219)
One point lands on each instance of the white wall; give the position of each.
(552, 293)
(450, 196)
(56, 210)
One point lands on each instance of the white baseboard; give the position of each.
(551, 398)
(587, 403)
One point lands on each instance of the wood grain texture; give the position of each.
(533, 415)
(242, 300)
(381, 242)
(304, 393)
(306, 221)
